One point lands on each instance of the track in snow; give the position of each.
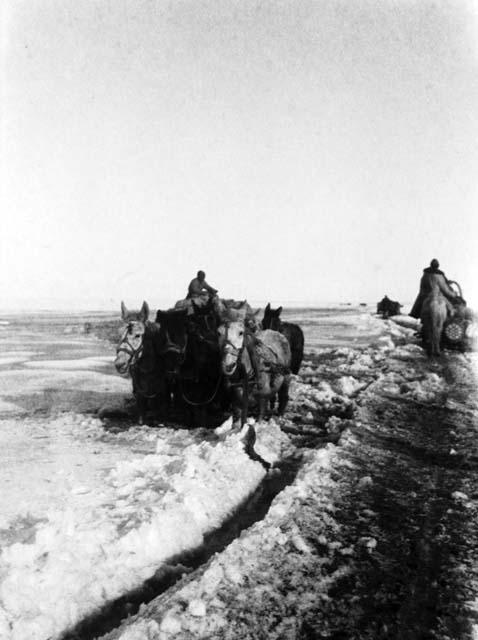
(419, 580)
(251, 511)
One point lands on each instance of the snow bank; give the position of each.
(198, 609)
(149, 510)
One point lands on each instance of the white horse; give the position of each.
(433, 315)
(269, 376)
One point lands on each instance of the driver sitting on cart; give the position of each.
(432, 275)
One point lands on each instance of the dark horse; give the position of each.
(174, 339)
(191, 357)
(138, 353)
(291, 331)
(388, 307)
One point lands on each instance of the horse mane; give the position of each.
(152, 327)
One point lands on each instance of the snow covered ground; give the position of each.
(90, 513)
(275, 581)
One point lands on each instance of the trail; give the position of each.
(419, 503)
(367, 528)
(376, 537)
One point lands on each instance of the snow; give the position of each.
(227, 572)
(8, 407)
(11, 360)
(21, 382)
(74, 365)
(105, 542)
(88, 515)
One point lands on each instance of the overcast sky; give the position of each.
(297, 151)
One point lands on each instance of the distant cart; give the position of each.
(387, 307)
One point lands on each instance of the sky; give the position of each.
(297, 152)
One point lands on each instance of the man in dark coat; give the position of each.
(433, 276)
(198, 287)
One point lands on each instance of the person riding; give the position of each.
(200, 293)
(198, 287)
(433, 276)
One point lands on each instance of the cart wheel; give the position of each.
(454, 331)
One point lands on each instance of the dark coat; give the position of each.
(197, 287)
(430, 279)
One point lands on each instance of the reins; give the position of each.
(171, 347)
(204, 402)
(127, 347)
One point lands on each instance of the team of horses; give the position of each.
(221, 356)
(218, 355)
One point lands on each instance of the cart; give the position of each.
(458, 329)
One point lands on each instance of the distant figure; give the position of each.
(388, 307)
(433, 277)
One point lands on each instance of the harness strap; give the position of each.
(199, 404)
(127, 347)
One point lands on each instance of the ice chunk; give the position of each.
(197, 608)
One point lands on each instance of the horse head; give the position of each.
(231, 335)
(271, 318)
(130, 348)
(174, 338)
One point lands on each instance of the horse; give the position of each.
(190, 355)
(272, 352)
(137, 353)
(433, 315)
(173, 332)
(201, 381)
(291, 331)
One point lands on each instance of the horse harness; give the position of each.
(233, 350)
(172, 347)
(272, 368)
(135, 356)
(127, 347)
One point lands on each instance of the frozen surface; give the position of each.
(88, 514)
(103, 534)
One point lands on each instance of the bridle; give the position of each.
(172, 347)
(126, 346)
(138, 367)
(229, 348)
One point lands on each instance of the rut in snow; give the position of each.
(253, 510)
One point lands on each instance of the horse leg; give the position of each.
(435, 342)
(245, 402)
(262, 407)
(265, 393)
(238, 410)
(283, 395)
(272, 403)
(426, 339)
(164, 400)
(437, 337)
(435, 333)
(141, 403)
